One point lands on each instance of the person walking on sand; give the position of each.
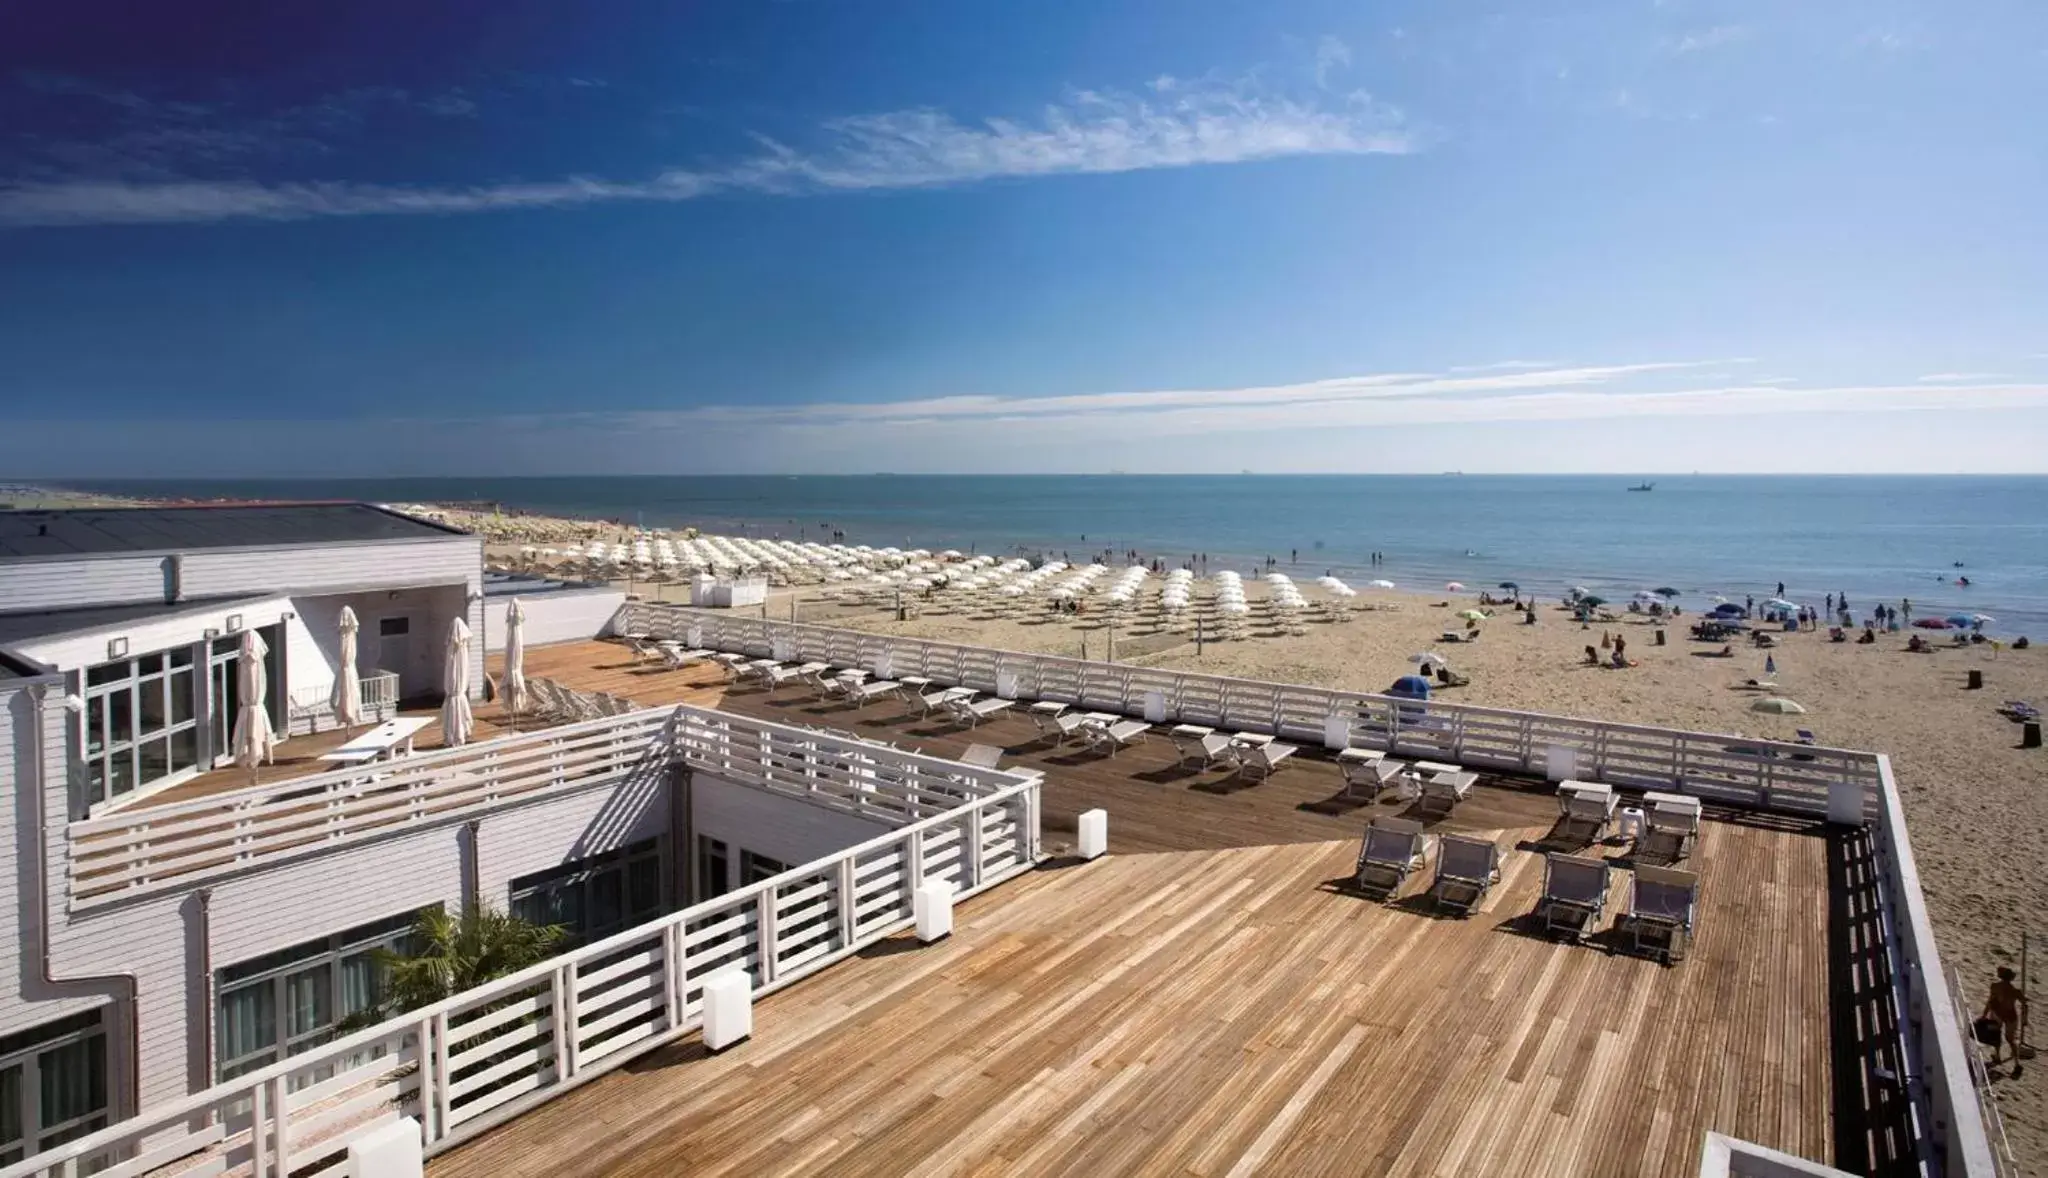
(1781, 588)
(2008, 1004)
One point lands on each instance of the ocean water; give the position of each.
(1875, 537)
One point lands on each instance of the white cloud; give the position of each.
(1961, 377)
(1505, 365)
(1717, 37)
(1092, 132)
(1331, 55)
(1880, 41)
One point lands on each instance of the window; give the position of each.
(53, 1085)
(712, 865)
(755, 868)
(290, 1001)
(595, 897)
(393, 627)
(141, 723)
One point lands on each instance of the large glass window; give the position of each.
(595, 897)
(291, 1001)
(53, 1085)
(141, 723)
(755, 868)
(712, 868)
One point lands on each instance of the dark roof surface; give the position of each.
(29, 625)
(107, 531)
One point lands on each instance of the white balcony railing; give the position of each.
(151, 848)
(376, 692)
(487, 1055)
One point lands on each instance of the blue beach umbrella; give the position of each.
(1728, 609)
(1959, 621)
(1410, 687)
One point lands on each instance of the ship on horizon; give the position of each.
(1644, 487)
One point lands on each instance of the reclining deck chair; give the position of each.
(1466, 869)
(1574, 893)
(1661, 903)
(1392, 849)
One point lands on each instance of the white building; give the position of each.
(160, 943)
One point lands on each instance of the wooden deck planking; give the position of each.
(1218, 1011)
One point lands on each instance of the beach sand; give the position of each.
(1976, 804)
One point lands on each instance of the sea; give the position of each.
(1873, 538)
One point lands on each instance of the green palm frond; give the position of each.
(451, 954)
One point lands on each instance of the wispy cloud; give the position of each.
(1505, 366)
(1331, 56)
(1962, 377)
(1717, 37)
(1091, 132)
(1880, 41)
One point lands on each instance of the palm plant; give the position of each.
(451, 954)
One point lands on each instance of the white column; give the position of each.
(728, 1009)
(932, 905)
(391, 1150)
(1093, 840)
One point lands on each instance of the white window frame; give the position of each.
(35, 1136)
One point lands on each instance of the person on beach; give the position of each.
(1906, 609)
(2008, 1004)
(1781, 588)
(1831, 604)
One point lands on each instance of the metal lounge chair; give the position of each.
(862, 694)
(642, 648)
(1188, 746)
(1441, 792)
(972, 714)
(1466, 869)
(1661, 903)
(1392, 849)
(827, 689)
(1218, 749)
(1368, 775)
(1574, 893)
(1262, 760)
(1585, 808)
(1669, 827)
(982, 756)
(1121, 734)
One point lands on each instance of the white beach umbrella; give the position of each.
(515, 659)
(1428, 660)
(1382, 584)
(253, 736)
(348, 689)
(456, 721)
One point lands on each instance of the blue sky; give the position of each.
(1188, 235)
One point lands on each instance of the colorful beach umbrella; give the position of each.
(1930, 623)
(1665, 591)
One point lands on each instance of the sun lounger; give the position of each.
(1574, 893)
(675, 658)
(1586, 809)
(1661, 902)
(1392, 849)
(982, 756)
(973, 713)
(779, 675)
(1466, 869)
(1371, 776)
(642, 649)
(1056, 726)
(827, 689)
(1261, 760)
(863, 694)
(1121, 734)
(1670, 823)
(1441, 792)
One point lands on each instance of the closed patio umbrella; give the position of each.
(456, 721)
(348, 687)
(515, 660)
(253, 736)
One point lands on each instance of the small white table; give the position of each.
(1252, 740)
(1434, 767)
(915, 682)
(1048, 707)
(1631, 823)
(852, 675)
(384, 741)
(1361, 756)
(1194, 731)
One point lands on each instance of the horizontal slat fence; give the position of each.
(483, 1057)
(1730, 770)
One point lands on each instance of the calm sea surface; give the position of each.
(1875, 538)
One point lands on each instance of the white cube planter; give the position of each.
(392, 1150)
(1093, 838)
(932, 905)
(728, 1010)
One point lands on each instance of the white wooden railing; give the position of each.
(1941, 1086)
(483, 1057)
(144, 849)
(376, 693)
(1839, 784)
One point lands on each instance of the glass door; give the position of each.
(227, 699)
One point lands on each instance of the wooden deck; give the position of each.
(1204, 1001)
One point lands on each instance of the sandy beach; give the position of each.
(1977, 804)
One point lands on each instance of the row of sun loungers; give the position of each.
(1661, 904)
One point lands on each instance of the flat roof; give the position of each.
(112, 531)
(28, 626)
